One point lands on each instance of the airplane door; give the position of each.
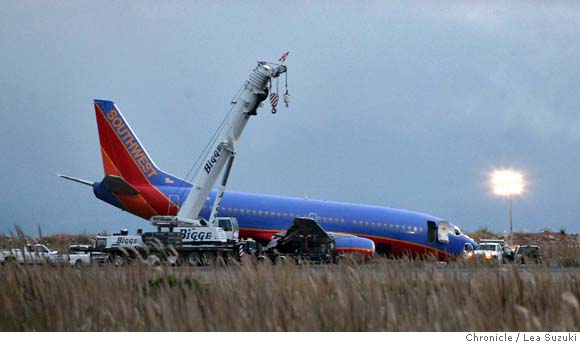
(313, 216)
(431, 231)
(443, 232)
(173, 206)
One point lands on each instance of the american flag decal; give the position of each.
(283, 57)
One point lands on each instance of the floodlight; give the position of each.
(507, 183)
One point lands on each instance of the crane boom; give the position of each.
(254, 91)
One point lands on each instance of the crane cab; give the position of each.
(230, 226)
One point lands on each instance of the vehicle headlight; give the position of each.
(488, 256)
(470, 255)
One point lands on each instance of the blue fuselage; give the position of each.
(394, 231)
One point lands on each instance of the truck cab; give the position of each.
(35, 254)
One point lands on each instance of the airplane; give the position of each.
(135, 184)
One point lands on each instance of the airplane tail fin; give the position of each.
(132, 180)
(123, 155)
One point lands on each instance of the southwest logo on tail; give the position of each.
(118, 141)
(132, 180)
(130, 142)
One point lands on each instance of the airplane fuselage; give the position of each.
(394, 231)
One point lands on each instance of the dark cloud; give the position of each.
(403, 105)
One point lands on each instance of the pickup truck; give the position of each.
(488, 251)
(79, 255)
(525, 254)
(31, 254)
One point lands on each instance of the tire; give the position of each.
(341, 259)
(153, 260)
(10, 260)
(280, 260)
(209, 259)
(78, 264)
(173, 260)
(118, 260)
(193, 260)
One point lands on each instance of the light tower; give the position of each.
(508, 183)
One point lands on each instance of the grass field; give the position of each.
(385, 295)
(381, 296)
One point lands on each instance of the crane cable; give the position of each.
(286, 94)
(191, 177)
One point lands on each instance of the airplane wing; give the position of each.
(118, 185)
(305, 226)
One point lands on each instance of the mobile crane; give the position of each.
(187, 237)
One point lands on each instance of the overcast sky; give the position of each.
(394, 103)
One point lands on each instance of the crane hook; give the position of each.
(274, 101)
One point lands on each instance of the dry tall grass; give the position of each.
(383, 296)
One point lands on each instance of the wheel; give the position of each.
(153, 260)
(208, 258)
(173, 260)
(118, 260)
(78, 264)
(232, 258)
(280, 260)
(193, 260)
(10, 260)
(341, 259)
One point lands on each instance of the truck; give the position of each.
(526, 254)
(79, 255)
(30, 254)
(489, 252)
(186, 237)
